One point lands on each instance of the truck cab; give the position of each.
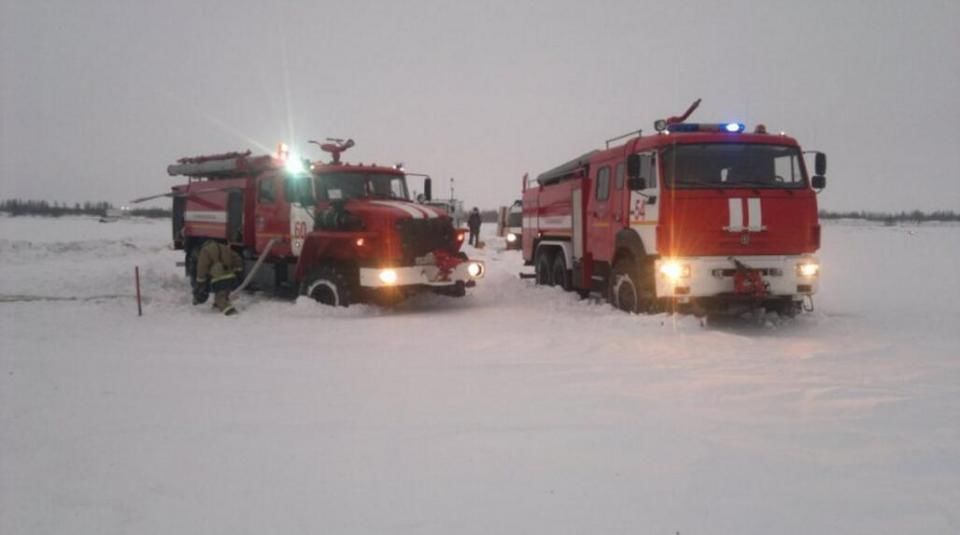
(385, 244)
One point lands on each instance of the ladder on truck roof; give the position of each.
(226, 165)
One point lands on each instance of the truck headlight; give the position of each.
(808, 269)
(673, 270)
(474, 269)
(388, 276)
(511, 237)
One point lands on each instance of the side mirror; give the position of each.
(636, 183)
(818, 181)
(427, 189)
(633, 166)
(820, 164)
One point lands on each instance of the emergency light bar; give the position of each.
(733, 128)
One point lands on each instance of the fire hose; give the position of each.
(256, 267)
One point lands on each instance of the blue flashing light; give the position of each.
(734, 127)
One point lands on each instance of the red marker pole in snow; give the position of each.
(136, 276)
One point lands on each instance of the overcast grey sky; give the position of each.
(97, 97)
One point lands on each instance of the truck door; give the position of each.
(272, 217)
(299, 193)
(235, 216)
(179, 207)
(600, 214)
(643, 209)
(617, 203)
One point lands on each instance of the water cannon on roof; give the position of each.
(335, 147)
(661, 124)
(676, 124)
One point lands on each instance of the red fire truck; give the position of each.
(337, 232)
(698, 218)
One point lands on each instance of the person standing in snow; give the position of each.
(218, 269)
(473, 223)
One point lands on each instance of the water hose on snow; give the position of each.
(256, 267)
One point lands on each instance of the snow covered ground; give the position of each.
(515, 410)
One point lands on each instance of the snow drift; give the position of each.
(517, 409)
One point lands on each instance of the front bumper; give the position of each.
(424, 275)
(713, 276)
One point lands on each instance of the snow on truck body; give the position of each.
(703, 216)
(337, 232)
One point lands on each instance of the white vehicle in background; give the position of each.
(510, 224)
(112, 215)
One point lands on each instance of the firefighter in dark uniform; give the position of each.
(473, 223)
(218, 269)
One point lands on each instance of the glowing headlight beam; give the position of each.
(474, 269)
(388, 276)
(674, 270)
(808, 269)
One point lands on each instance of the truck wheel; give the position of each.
(629, 289)
(544, 269)
(559, 274)
(328, 286)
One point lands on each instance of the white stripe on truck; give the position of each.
(755, 216)
(414, 213)
(204, 216)
(736, 215)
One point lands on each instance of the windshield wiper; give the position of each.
(751, 183)
(693, 182)
(385, 196)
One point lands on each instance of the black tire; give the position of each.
(559, 273)
(329, 286)
(630, 287)
(787, 308)
(544, 268)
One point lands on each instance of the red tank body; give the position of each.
(678, 218)
(340, 233)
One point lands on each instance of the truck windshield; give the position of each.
(515, 218)
(731, 165)
(337, 186)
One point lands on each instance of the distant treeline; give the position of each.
(915, 216)
(56, 209)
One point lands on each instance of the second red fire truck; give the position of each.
(337, 232)
(696, 217)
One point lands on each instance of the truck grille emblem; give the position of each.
(744, 239)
